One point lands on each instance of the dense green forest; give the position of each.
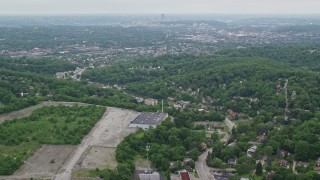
(39, 65)
(306, 57)
(37, 87)
(20, 138)
(245, 85)
(256, 83)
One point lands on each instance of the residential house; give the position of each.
(209, 141)
(262, 139)
(283, 153)
(318, 162)
(232, 144)
(60, 75)
(317, 168)
(278, 89)
(151, 102)
(188, 163)
(283, 163)
(303, 164)
(232, 161)
(216, 125)
(203, 146)
(254, 143)
(233, 114)
(186, 160)
(251, 151)
(139, 99)
(184, 175)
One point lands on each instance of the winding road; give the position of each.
(202, 168)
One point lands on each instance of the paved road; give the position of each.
(27, 176)
(264, 159)
(229, 123)
(294, 166)
(202, 168)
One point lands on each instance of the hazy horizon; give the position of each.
(137, 7)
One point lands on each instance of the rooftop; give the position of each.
(223, 176)
(149, 118)
(184, 176)
(144, 174)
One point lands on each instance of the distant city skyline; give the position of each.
(160, 6)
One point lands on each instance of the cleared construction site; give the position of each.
(97, 149)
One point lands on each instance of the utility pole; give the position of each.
(162, 106)
(286, 97)
(148, 148)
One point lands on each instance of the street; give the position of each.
(202, 168)
(229, 123)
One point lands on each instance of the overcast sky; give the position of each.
(159, 6)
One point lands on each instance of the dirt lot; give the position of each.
(97, 149)
(47, 160)
(113, 127)
(109, 132)
(19, 114)
(99, 157)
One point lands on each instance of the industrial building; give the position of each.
(147, 175)
(145, 120)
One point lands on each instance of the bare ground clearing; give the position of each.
(96, 149)
(48, 159)
(108, 132)
(99, 157)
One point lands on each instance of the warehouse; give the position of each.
(145, 120)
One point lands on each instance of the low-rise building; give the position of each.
(251, 151)
(147, 175)
(60, 75)
(184, 175)
(222, 176)
(151, 102)
(145, 120)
